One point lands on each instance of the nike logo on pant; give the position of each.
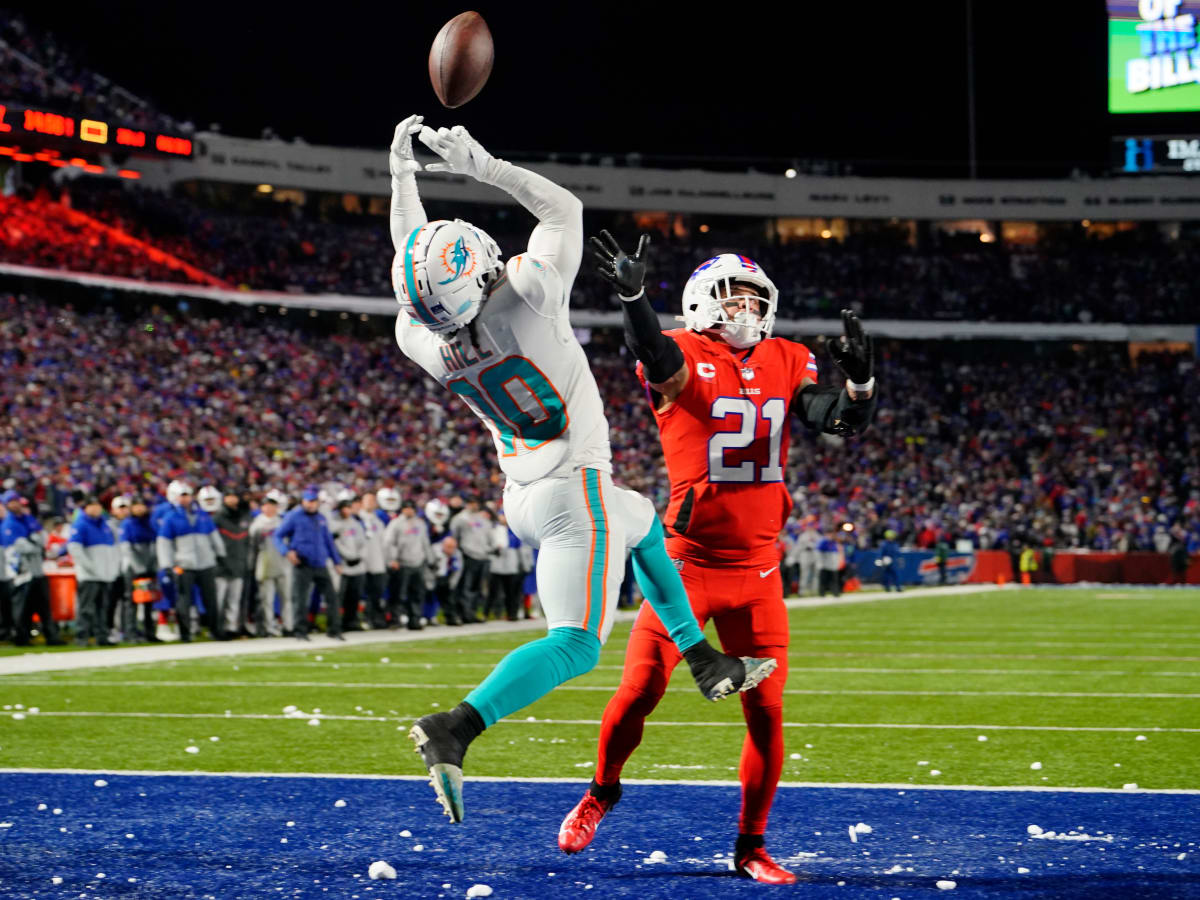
(762, 574)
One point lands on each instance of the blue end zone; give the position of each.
(220, 837)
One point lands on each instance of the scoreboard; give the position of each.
(42, 134)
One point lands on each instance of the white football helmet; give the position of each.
(389, 499)
(441, 275)
(119, 501)
(209, 498)
(175, 488)
(347, 495)
(713, 284)
(437, 512)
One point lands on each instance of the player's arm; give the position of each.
(558, 237)
(407, 212)
(850, 409)
(661, 359)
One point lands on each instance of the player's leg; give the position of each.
(650, 657)
(578, 574)
(716, 674)
(758, 625)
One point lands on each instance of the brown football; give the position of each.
(460, 59)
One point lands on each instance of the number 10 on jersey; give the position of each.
(746, 472)
(518, 400)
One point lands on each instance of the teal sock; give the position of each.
(534, 670)
(663, 588)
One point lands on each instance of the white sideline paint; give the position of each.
(917, 726)
(415, 686)
(122, 656)
(521, 779)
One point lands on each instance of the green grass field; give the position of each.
(878, 693)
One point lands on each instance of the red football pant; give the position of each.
(751, 620)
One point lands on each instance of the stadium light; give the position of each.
(704, 229)
(790, 173)
(827, 234)
(986, 237)
(847, 526)
(265, 188)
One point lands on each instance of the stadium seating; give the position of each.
(992, 445)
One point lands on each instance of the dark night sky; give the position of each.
(854, 81)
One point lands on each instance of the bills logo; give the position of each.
(748, 373)
(958, 569)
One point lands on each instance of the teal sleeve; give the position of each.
(663, 588)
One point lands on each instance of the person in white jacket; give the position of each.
(272, 571)
(350, 538)
(373, 581)
(504, 591)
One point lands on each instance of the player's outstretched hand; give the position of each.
(854, 351)
(401, 160)
(623, 272)
(463, 154)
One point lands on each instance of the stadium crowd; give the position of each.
(37, 69)
(1130, 277)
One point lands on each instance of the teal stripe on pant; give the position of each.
(663, 588)
(534, 670)
(598, 565)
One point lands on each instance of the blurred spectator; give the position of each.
(350, 538)
(139, 562)
(97, 568)
(189, 545)
(303, 537)
(232, 519)
(472, 530)
(447, 570)
(272, 571)
(504, 592)
(375, 578)
(889, 562)
(24, 540)
(831, 561)
(409, 552)
(6, 610)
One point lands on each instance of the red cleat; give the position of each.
(579, 827)
(757, 864)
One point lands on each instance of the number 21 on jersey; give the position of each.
(745, 414)
(518, 401)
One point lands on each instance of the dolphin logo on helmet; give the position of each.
(457, 248)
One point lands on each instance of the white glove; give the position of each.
(463, 154)
(401, 160)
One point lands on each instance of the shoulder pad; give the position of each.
(536, 280)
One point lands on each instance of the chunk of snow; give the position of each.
(417, 848)
(982, 737)
(935, 772)
(287, 710)
(1035, 830)
(1140, 737)
(946, 885)
(100, 782)
(380, 869)
(339, 803)
(863, 828)
(1022, 870)
(214, 738)
(406, 833)
(1035, 765)
(191, 749)
(479, 890)
(18, 716)
(56, 879)
(797, 756)
(42, 807)
(1132, 786)
(314, 721)
(658, 856)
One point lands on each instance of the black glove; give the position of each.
(854, 352)
(624, 273)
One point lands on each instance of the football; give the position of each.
(460, 59)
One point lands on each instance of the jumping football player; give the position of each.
(499, 336)
(722, 390)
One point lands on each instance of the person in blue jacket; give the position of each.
(889, 561)
(97, 565)
(303, 537)
(24, 543)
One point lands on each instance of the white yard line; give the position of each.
(122, 656)
(860, 670)
(530, 720)
(521, 779)
(609, 689)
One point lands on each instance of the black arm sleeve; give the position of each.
(659, 353)
(831, 410)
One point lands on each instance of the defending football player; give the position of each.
(722, 389)
(498, 335)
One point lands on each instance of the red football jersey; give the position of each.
(725, 439)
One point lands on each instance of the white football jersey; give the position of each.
(520, 368)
